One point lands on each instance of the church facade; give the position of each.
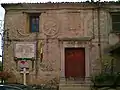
(58, 41)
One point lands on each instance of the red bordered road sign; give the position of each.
(23, 64)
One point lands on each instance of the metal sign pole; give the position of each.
(24, 76)
(24, 72)
(24, 66)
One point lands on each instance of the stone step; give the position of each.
(74, 87)
(75, 82)
(70, 81)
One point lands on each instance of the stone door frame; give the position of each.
(74, 44)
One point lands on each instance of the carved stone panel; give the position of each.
(50, 25)
(74, 23)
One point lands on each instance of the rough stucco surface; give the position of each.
(55, 25)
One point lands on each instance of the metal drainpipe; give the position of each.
(93, 30)
(36, 61)
(99, 37)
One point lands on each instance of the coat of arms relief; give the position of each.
(50, 25)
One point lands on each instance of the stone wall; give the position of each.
(72, 22)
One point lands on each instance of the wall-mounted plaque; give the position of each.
(25, 50)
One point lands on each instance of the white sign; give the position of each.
(25, 50)
(23, 64)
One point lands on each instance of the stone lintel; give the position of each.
(75, 39)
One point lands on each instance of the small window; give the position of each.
(116, 21)
(34, 22)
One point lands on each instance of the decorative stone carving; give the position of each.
(88, 22)
(50, 27)
(46, 66)
(74, 23)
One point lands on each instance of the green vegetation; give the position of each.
(108, 77)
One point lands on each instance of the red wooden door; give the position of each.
(75, 62)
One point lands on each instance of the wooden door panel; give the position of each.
(74, 62)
